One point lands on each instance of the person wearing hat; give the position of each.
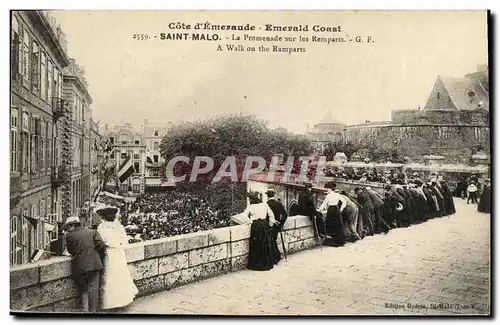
(263, 251)
(472, 191)
(364, 200)
(118, 288)
(279, 212)
(306, 207)
(484, 202)
(333, 205)
(87, 248)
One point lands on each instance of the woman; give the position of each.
(117, 287)
(333, 205)
(264, 253)
(484, 202)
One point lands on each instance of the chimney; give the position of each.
(145, 122)
(128, 125)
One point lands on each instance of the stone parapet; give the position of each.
(155, 265)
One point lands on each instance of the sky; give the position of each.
(169, 81)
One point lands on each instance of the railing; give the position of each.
(59, 174)
(58, 107)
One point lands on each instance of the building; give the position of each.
(38, 57)
(326, 130)
(129, 154)
(454, 123)
(95, 145)
(77, 136)
(155, 178)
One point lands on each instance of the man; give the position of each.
(364, 199)
(350, 214)
(306, 207)
(278, 210)
(87, 248)
(378, 206)
(395, 202)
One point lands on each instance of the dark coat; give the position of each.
(306, 204)
(376, 200)
(278, 211)
(365, 201)
(86, 246)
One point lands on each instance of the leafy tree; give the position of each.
(232, 135)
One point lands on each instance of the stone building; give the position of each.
(454, 122)
(155, 169)
(39, 55)
(129, 153)
(77, 137)
(95, 146)
(326, 130)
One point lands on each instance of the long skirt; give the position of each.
(264, 253)
(117, 287)
(484, 202)
(334, 227)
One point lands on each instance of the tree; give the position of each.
(239, 136)
(348, 148)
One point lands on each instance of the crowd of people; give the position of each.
(165, 214)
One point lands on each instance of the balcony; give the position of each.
(59, 107)
(59, 175)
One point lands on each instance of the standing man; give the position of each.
(306, 207)
(87, 248)
(367, 204)
(378, 206)
(278, 210)
(279, 214)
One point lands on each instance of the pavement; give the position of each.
(440, 267)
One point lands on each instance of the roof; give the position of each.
(329, 119)
(459, 88)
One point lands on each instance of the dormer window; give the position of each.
(438, 95)
(471, 94)
(156, 133)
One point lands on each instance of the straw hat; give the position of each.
(72, 221)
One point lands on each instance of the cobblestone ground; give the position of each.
(441, 267)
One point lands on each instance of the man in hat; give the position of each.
(279, 211)
(307, 207)
(87, 248)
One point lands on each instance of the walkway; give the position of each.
(443, 264)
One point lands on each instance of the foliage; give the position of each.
(232, 135)
(371, 150)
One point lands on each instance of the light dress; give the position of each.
(117, 287)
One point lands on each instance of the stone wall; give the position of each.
(155, 265)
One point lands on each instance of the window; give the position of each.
(53, 221)
(111, 140)
(42, 209)
(137, 167)
(26, 143)
(56, 83)
(123, 139)
(136, 154)
(24, 239)
(26, 57)
(13, 240)
(156, 146)
(123, 155)
(43, 77)
(137, 141)
(16, 52)
(438, 95)
(155, 159)
(35, 68)
(49, 82)
(35, 136)
(14, 156)
(60, 83)
(83, 111)
(48, 148)
(124, 187)
(156, 133)
(112, 155)
(42, 144)
(136, 185)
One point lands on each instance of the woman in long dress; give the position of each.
(264, 253)
(333, 205)
(484, 202)
(117, 287)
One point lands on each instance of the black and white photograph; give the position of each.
(250, 162)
